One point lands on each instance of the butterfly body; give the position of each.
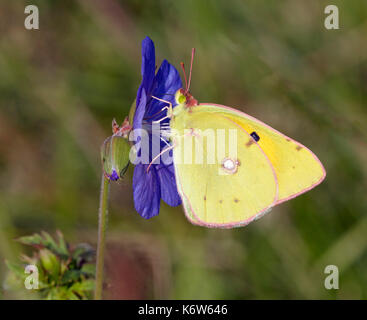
(231, 168)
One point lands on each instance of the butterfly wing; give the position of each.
(212, 196)
(297, 168)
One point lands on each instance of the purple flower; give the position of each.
(159, 182)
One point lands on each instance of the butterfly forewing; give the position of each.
(297, 168)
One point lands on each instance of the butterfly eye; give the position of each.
(230, 166)
(180, 97)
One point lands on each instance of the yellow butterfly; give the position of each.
(268, 168)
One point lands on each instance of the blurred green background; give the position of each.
(61, 85)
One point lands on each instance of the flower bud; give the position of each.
(115, 156)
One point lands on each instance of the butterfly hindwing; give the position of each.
(212, 196)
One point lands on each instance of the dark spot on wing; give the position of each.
(298, 148)
(250, 142)
(255, 136)
(289, 140)
(204, 198)
(236, 200)
(220, 201)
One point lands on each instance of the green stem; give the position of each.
(102, 227)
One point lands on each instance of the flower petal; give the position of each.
(167, 182)
(147, 69)
(140, 110)
(148, 63)
(146, 192)
(167, 81)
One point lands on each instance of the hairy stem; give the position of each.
(102, 227)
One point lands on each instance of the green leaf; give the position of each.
(88, 269)
(84, 286)
(63, 274)
(62, 243)
(44, 240)
(83, 253)
(33, 240)
(71, 276)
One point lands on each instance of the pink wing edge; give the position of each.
(237, 223)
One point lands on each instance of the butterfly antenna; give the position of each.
(192, 61)
(184, 72)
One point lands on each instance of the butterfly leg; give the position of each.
(162, 152)
(169, 109)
